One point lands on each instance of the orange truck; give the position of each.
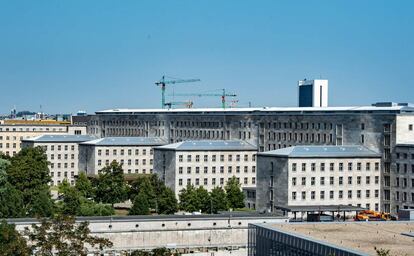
(371, 215)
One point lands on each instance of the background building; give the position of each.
(134, 153)
(318, 175)
(313, 93)
(379, 127)
(62, 153)
(404, 176)
(205, 163)
(12, 132)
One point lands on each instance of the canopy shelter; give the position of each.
(319, 209)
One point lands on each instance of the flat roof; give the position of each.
(126, 141)
(323, 152)
(358, 235)
(319, 208)
(59, 138)
(381, 108)
(213, 145)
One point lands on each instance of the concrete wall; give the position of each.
(174, 231)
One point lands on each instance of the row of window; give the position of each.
(58, 147)
(303, 126)
(403, 182)
(322, 195)
(59, 165)
(129, 162)
(403, 168)
(12, 137)
(214, 169)
(404, 156)
(65, 156)
(129, 152)
(322, 166)
(300, 137)
(7, 145)
(2, 129)
(214, 181)
(65, 174)
(332, 180)
(404, 196)
(230, 158)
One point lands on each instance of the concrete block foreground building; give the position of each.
(318, 175)
(205, 163)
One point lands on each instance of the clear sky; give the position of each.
(70, 55)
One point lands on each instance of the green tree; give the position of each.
(235, 196)
(61, 236)
(11, 241)
(167, 202)
(189, 200)
(84, 185)
(41, 204)
(110, 185)
(72, 200)
(218, 200)
(64, 186)
(28, 172)
(11, 200)
(90, 208)
(203, 197)
(140, 205)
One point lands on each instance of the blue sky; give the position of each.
(91, 55)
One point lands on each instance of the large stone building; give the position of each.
(134, 153)
(12, 132)
(318, 175)
(62, 153)
(379, 127)
(404, 176)
(205, 163)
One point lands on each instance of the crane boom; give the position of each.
(162, 83)
(223, 96)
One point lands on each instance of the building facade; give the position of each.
(135, 154)
(379, 127)
(404, 176)
(62, 153)
(12, 132)
(318, 175)
(205, 163)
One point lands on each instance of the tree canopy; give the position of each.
(11, 241)
(28, 172)
(235, 196)
(62, 236)
(110, 185)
